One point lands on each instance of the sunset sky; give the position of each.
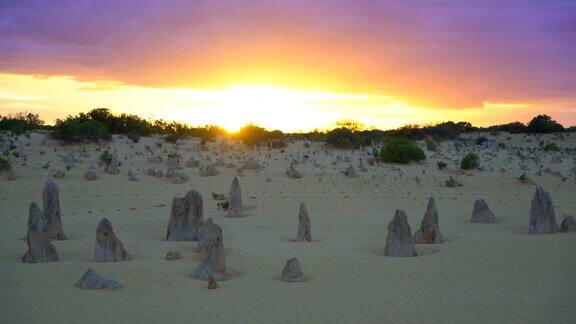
(291, 65)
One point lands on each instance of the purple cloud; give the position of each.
(450, 54)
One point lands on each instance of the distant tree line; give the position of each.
(101, 123)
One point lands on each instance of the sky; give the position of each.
(292, 65)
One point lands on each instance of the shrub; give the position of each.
(252, 135)
(470, 161)
(79, 129)
(105, 157)
(401, 150)
(543, 124)
(551, 147)
(4, 164)
(20, 123)
(502, 145)
(431, 144)
(344, 138)
(480, 140)
(173, 137)
(134, 136)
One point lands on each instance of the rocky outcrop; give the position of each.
(186, 217)
(90, 175)
(113, 166)
(132, 176)
(399, 242)
(211, 248)
(429, 232)
(209, 171)
(40, 249)
(481, 213)
(90, 280)
(568, 224)
(235, 199)
(542, 216)
(51, 209)
(304, 231)
(292, 173)
(292, 271)
(108, 247)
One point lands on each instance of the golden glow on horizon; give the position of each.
(272, 107)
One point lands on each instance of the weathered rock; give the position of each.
(292, 272)
(481, 213)
(542, 216)
(350, 172)
(108, 247)
(83, 152)
(211, 248)
(132, 176)
(11, 175)
(154, 159)
(192, 163)
(304, 232)
(186, 217)
(51, 209)
(59, 174)
(452, 183)
(174, 161)
(209, 171)
(292, 173)
(212, 284)
(112, 167)
(429, 232)
(69, 160)
(90, 175)
(361, 166)
(173, 256)
(235, 199)
(399, 242)
(568, 224)
(40, 249)
(90, 280)
(170, 173)
(250, 165)
(179, 178)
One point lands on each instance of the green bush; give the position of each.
(106, 157)
(542, 124)
(79, 129)
(502, 145)
(20, 123)
(470, 161)
(401, 150)
(344, 138)
(4, 164)
(551, 147)
(431, 144)
(480, 140)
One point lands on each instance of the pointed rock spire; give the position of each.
(481, 213)
(429, 232)
(399, 242)
(211, 248)
(235, 199)
(51, 208)
(108, 247)
(40, 249)
(542, 217)
(304, 232)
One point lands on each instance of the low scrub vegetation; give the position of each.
(4, 164)
(20, 123)
(470, 161)
(401, 150)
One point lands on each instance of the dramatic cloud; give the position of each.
(443, 54)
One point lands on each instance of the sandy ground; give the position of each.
(494, 273)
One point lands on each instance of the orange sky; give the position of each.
(292, 65)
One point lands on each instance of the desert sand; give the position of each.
(493, 272)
